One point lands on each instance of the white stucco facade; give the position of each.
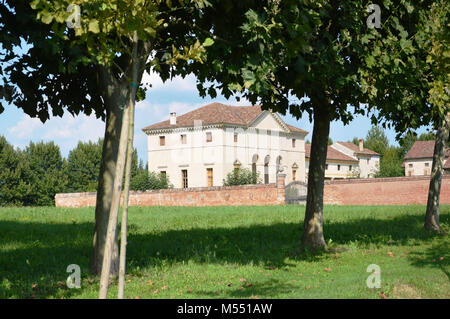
(418, 167)
(265, 144)
(368, 161)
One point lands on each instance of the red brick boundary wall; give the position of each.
(260, 194)
(383, 191)
(374, 191)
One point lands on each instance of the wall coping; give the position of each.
(176, 190)
(382, 180)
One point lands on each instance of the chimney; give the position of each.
(361, 145)
(173, 118)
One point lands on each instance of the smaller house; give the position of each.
(368, 160)
(447, 163)
(338, 165)
(419, 159)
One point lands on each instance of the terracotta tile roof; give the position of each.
(332, 154)
(295, 129)
(421, 149)
(217, 113)
(355, 148)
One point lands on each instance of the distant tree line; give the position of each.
(32, 176)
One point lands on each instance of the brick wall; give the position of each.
(269, 194)
(379, 191)
(383, 191)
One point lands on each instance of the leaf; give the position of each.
(46, 17)
(93, 26)
(208, 42)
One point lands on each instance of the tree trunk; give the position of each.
(110, 151)
(123, 231)
(111, 234)
(432, 213)
(312, 237)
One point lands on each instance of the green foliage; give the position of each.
(145, 180)
(330, 141)
(391, 163)
(15, 186)
(83, 166)
(376, 140)
(32, 177)
(242, 176)
(406, 68)
(47, 173)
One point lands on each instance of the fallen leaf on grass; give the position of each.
(248, 284)
(240, 288)
(163, 287)
(230, 284)
(382, 295)
(254, 297)
(242, 279)
(156, 291)
(327, 269)
(390, 254)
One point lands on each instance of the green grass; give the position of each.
(176, 252)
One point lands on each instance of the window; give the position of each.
(162, 140)
(209, 177)
(208, 137)
(293, 142)
(339, 167)
(368, 161)
(326, 166)
(427, 164)
(235, 137)
(163, 174)
(184, 178)
(410, 165)
(183, 138)
(350, 168)
(294, 173)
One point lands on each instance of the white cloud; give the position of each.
(177, 83)
(65, 131)
(25, 127)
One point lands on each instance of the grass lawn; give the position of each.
(230, 252)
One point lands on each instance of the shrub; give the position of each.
(145, 180)
(241, 176)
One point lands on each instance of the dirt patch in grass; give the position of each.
(403, 291)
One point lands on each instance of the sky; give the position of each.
(178, 95)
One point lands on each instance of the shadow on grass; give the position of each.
(36, 255)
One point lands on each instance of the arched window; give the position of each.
(266, 169)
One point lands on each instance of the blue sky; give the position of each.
(179, 95)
